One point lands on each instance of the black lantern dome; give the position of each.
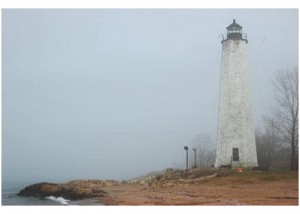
(234, 32)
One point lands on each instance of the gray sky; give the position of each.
(117, 93)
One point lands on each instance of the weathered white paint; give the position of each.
(235, 125)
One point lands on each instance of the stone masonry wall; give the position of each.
(235, 125)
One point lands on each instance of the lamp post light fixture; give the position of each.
(187, 159)
(195, 165)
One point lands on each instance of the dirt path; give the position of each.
(229, 190)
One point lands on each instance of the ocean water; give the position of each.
(10, 198)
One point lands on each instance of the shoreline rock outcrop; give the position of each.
(73, 190)
(87, 189)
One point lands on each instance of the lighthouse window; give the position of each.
(235, 154)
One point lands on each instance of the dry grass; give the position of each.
(248, 176)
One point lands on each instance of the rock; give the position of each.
(172, 174)
(223, 172)
(77, 189)
(173, 177)
(39, 190)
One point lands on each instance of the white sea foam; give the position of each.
(60, 200)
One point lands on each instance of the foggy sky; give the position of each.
(117, 93)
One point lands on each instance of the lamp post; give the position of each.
(195, 165)
(187, 160)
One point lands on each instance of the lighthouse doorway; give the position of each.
(235, 157)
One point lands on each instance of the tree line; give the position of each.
(277, 144)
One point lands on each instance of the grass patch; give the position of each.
(270, 178)
(248, 176)
(276, 175)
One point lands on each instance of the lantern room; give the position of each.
(234, 31)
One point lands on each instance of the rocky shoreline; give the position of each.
(73, 190)
(174, 187)
(94, 189)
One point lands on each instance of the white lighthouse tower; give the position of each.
(236, 138)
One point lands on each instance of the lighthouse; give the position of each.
(235, 138)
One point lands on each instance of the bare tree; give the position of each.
(205, 151)
(285, 114)
(268, 146)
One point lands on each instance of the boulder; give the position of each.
(78, 189)
(40, 190)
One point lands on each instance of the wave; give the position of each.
(60, 200)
